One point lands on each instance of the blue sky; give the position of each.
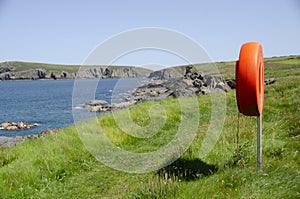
(67, 31)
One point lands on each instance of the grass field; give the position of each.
(59, 165)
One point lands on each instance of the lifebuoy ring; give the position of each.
(250, 79)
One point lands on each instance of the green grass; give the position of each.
(274, 67)
(22, 66)
(59, 166)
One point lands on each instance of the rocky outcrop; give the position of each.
(12, 126)
(190, 84)
(112, 72)
(6, 77)
(4, 70)
(104, 106)
(41, 74)
(48, 132)
(269, 81)
(165, 74)
(98, 106)
(231, 83)
(33, 74)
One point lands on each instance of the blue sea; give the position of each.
(51, 104)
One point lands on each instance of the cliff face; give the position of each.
(168, 73)
(34, 74)
(115, 72)
(35, 71)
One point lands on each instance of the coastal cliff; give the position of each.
(168, 73)
(36, 71)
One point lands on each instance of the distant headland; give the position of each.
(42, 71)
(16, 70)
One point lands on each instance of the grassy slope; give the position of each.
(22, 66)
(59, 166)
(274, 67)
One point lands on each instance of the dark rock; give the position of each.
(4, 70)
(49, 132)
(98, 106)
(193, 76)
(126, 72)
(97, 103)
(108, 73)
(41, 74)
(179, 88)
(231, 83)
(165, 74)
(204, 91)
(210, 81)
(94, 72)
(269, 81)
(188, 72)
(146, 92)
(221, 86)
(201, 76)
(64, 75)
(198, 83)
(7, 77)
(103, 106)
(53, 76)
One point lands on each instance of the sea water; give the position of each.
(50, 103)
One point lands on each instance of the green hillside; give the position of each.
(59, 166)
(274, 67)
(22, 66)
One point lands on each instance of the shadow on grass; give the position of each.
(187, 170)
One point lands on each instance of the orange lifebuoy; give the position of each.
(250, 79)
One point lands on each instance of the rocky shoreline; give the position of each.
(186, 85)
(104, 106)
(189, 84)
(162, 85)
(174, 87)
(12, 141)
(15, 126)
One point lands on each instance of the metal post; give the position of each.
(259, 142)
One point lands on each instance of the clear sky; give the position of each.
(66, 31)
